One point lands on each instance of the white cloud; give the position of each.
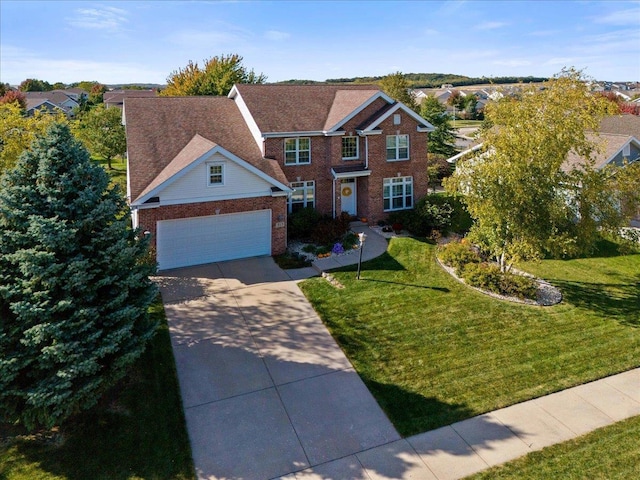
(629, 17)
(100, 18)
(276, 35)
(490, 25)
(431, 31)
(16, 64)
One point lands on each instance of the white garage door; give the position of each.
(192, 241)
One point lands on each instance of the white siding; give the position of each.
(193, 186)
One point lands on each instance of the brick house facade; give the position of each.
(271, 149)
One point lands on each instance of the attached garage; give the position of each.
(215, 238)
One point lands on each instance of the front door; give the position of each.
(348, 195)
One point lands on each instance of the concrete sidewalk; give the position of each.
(374, 246)
(487, 440)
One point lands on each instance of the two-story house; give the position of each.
(214, 178)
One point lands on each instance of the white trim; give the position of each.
(234, 94)
(357, 156)
(397, 148)
(404, 197)
(464, 153)
(217, 149)
(407, 110)
(183, 201)
(364, 105)
(364, 133)
(305, 186)
(359, 173)
(297, 151)
(314, 133)
(222, 174)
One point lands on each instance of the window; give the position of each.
(216, 174)
(396, 119)
(397, 147)
(303, 195)
(626, 151)
(350, 148)
(397, 193)
(297, 151)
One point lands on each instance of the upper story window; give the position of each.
(297, 151)
(216, 174)
(397, 147)
(350, 148)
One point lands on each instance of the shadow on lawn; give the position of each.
(616, 301)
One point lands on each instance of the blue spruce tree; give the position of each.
(74, 284)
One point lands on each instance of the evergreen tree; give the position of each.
(74, 286)
(442, 140)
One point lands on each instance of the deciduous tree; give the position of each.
(101, 130)
(74, 289)
(16, 97)
(516, 189)
(35, 85)
(17, 132)
(216, 77)
(397, 87)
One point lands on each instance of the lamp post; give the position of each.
(362, 236)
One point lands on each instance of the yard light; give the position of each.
(362, 237)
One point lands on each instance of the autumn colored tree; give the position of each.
(397, 87)
(14, 96)
(216, 77)
(17, 131)
(516, 187)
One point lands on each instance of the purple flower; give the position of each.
(338, 248)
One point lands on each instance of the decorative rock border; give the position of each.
(546, 296)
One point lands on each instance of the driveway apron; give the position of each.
(266, 390)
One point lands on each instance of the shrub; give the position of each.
(489, 277)
(349, 240)
(457, 255)
(337, 248)
(329, 230)
(302, 223)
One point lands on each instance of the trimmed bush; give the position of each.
(457, 255)
(302, 223)
(329, 230)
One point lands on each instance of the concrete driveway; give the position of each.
(266, 390)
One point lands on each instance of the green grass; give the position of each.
(466, 123)
(118, 171)
(143, 438)
(608, 453)
(433, 351)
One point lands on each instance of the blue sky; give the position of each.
(144, 41)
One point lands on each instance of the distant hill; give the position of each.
(430, 80)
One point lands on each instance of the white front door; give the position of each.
(348, 195)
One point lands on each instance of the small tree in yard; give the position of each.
(517, 190)
(74, 286)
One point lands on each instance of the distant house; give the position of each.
(46, 101)
(215, 178)
(115, 98)
(625, 124)
(616, 149)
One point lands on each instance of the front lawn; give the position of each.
(432, 351)
(137, 432)
(607, 453)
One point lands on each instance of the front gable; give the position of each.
(190, 178)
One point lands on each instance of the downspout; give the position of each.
(333, 196)
(366, 152)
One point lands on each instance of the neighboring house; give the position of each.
(43, 100)
(115, 98)
(616, 149)
(625, 124)
(214, 178)
(42, 105)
